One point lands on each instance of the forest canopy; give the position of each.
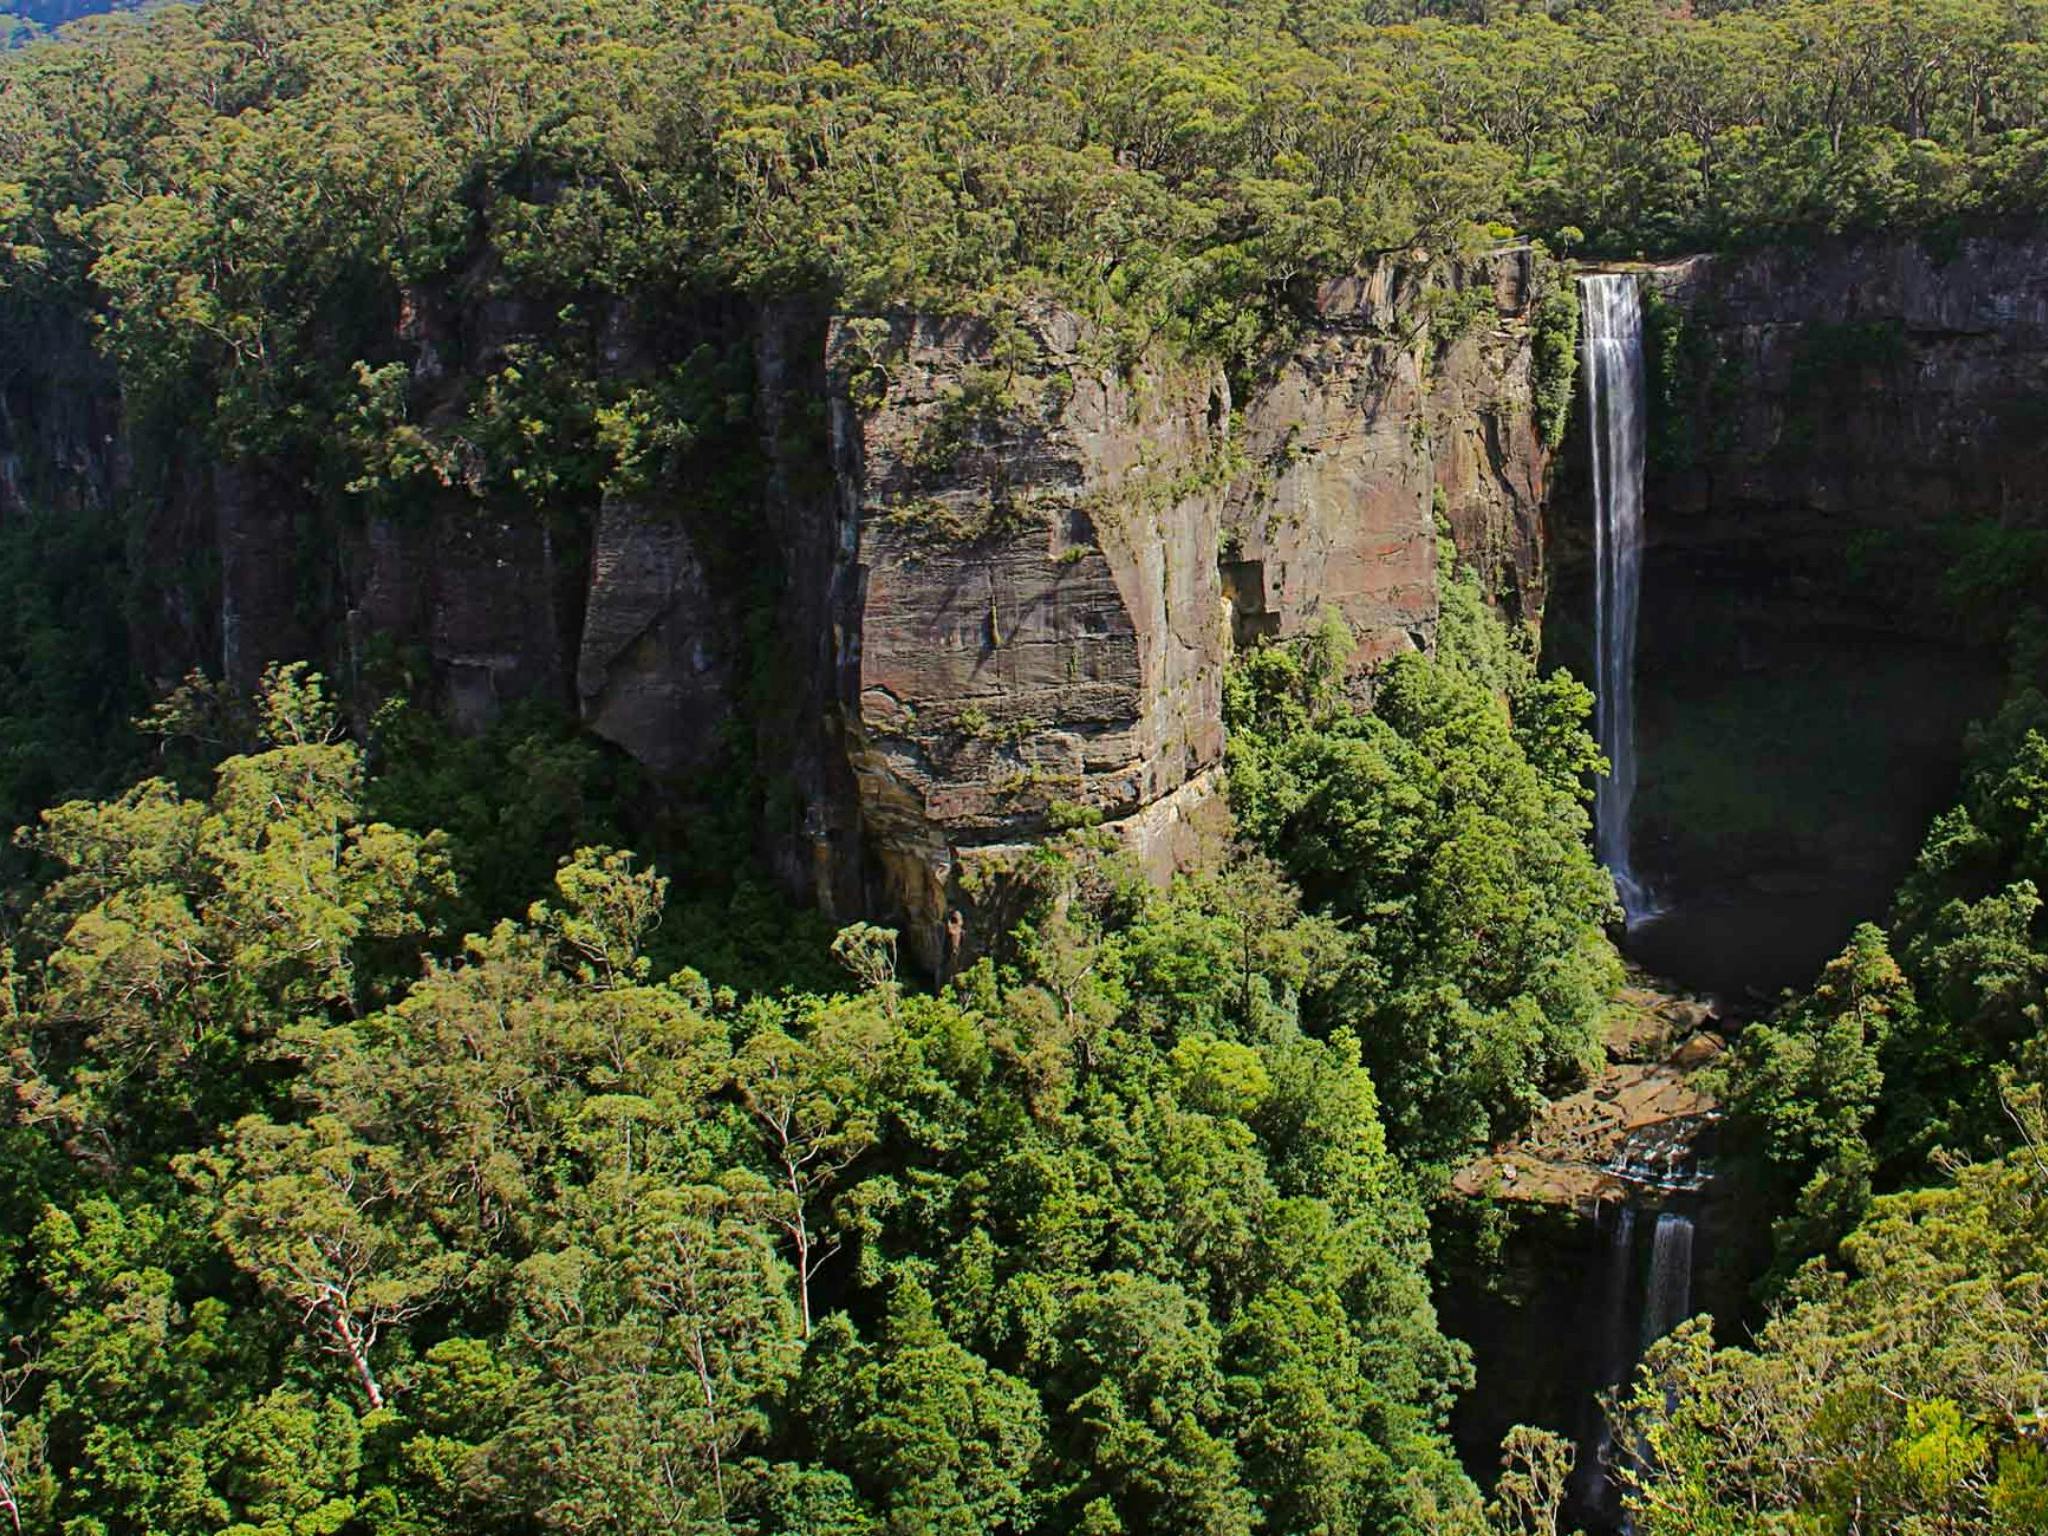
(219, 173)
(317, 1218)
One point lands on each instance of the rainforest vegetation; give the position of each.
(321, 1217)
(386, 1149)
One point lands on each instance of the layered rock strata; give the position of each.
(979, 577)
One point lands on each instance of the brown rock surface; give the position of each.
(1039, 615)
(1368, 427)
(652, 673)
(992, 565)
(1639, 1120)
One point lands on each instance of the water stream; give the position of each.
(1613, 362)
(1667, 1301)
(1642, 1298)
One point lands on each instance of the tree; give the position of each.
(1535, 1470)
(721, 1293)
(1904, 1392)
(1479, 969)
(944, 1442)
(808, 1101)
(182, 933)
(1804, 1090)
(320, 1220)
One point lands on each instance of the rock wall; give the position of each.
(1875, 385)
(1056, 553)
(979, 577)
(1370, 429)
(1041, 625)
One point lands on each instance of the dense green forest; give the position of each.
(223, 173)
(386, 1150)
(320, 1218)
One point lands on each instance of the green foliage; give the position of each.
(311, 1223)
(66, 696)
(1900, 1395)
(305, 1227)
(1456, 313)
(1554, 346)
(512, 800)
(1445, 832)
(1805, 1087)
(1185, 172)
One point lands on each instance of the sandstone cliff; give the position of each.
(1056, 553)
(1368, 429)
(955, 582)
(1040, 625)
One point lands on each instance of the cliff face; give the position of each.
(980, 577)
(1040, 623)
(1368, 430)
(1878, 385)
(1055, 554)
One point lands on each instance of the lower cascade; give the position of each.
(1612, 306)
(1668, 1301)
(1643, 1298)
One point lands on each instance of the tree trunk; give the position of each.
(357, 1350)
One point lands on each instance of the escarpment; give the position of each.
(1367, 435)
(941, 583)
(1040, 623)
(1047, 554)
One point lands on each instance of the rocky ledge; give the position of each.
(1645, 1125)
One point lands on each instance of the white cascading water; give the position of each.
(1668, 1300)
(1596, 1489)
(1613, 311)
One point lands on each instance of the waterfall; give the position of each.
(1613, 312)
(1595, 1488)
(1668, 1302)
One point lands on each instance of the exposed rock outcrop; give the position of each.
(1871, 385)
(1040, 619)
(1370, 429)
(1055, 553)
(1643, 1123)
(652, 672)
(1490, 465)
(962, 579)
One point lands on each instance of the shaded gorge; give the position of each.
(1786, 675)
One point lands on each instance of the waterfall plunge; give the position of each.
(1668, 1301)
(1613, 312)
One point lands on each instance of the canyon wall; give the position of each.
(1367, 432)
(952, 583)
(1055, 552)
